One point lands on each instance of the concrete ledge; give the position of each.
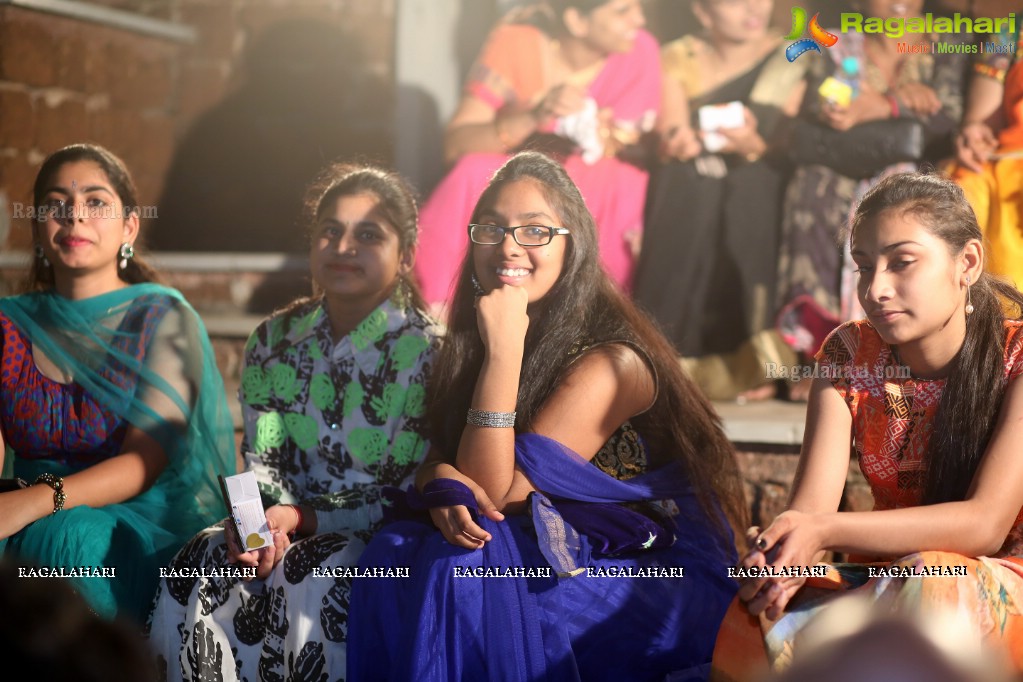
(180, 261)
(109, 16)
(770, 422)
(230, 326)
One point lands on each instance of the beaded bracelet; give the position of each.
(57, 483)
(495, 420)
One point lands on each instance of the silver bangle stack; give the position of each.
(493, 420)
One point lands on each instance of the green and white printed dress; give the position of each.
(326, 425)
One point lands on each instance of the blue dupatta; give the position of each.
(453, 625)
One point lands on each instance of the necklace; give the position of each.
(903, 371)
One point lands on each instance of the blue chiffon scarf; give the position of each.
(438, 624)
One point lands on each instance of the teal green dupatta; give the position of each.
(173, 391)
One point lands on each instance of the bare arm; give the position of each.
(487, 455)
(141, 459)
(975, 526)
(817, 489)
(455, 522)
(983, 116)
(824, 460)
(477, 127)
(984, 101)
(604, 389)
(673, 124)
(111, 481)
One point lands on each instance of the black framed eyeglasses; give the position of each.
(524, 235)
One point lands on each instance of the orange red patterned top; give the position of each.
(893, 413)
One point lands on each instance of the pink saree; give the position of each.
(615, 191)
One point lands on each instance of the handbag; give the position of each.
(861, 151)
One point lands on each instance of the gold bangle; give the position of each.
(502, 135)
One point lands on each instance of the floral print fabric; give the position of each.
(893, 419)
(327, 425)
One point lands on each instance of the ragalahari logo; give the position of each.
(818, 36)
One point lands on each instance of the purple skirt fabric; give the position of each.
(536, 604)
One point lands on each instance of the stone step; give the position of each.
(227, 283)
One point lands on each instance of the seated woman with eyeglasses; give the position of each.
(576, 78)
(576, 474)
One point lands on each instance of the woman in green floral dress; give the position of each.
(332, 399)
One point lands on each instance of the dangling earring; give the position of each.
(476, 288)
(41, 257)
(969, 299)
(127, 253)
(401, 297)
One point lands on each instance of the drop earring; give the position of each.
(969, 299)
(41, 257)
(401, 297)
(127, 253)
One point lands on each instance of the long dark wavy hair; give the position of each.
(583, 308)
(397, 203)
(966, 416)
(40, 275)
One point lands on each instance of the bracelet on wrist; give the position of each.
(893, 106)
(57, 483)
(300, 522)
(492, 420)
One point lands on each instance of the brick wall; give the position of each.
(65, 80)
(229, 28)
(768, 471)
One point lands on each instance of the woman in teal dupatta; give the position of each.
(110, 399)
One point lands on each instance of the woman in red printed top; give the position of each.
(926, 391)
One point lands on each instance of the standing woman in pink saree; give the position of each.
(578, 78)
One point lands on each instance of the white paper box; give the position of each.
(242, 497)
